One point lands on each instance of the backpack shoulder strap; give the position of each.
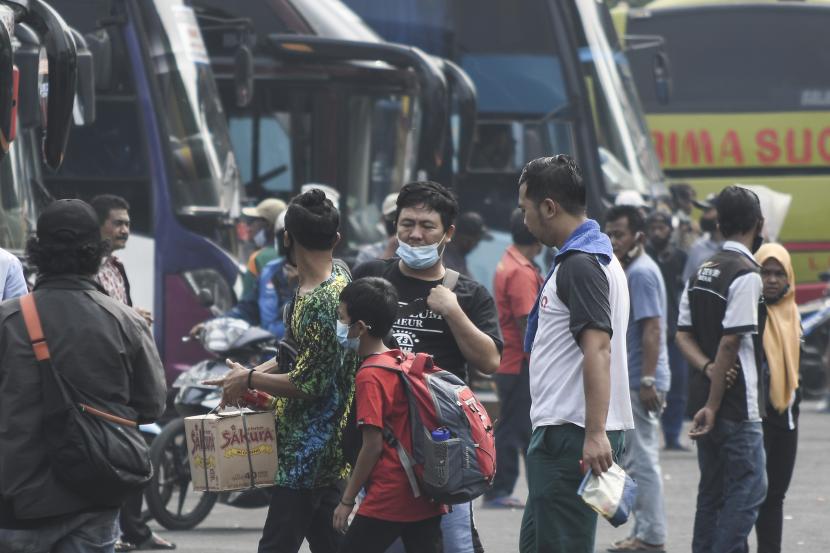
(34, 328)
(450, 278)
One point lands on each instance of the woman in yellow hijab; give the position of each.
(782, 342)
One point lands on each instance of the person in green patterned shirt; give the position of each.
(315, 397)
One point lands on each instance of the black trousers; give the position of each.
(133, 528)
(780, 445)
(295, 515)
(513, 430)
(371, 535)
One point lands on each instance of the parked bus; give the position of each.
(37, 93)
(750, 104)
(334, 104)
(160, 140)
(551, 78)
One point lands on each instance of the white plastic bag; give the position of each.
(611, 494)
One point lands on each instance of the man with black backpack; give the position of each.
(449, 316)
(316, 392)
(102, 353)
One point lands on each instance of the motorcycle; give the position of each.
(169, 496)
(815, 324)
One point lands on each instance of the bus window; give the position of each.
(109, 156)
(737, 48)
(275, 174)
(380, 152)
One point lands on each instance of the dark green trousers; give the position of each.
(556, 520)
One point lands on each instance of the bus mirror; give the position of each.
(27, 58)
(662, 77)
(243, 75)
(100, 47)
(84, 112)
(62, 61)
(7, 80)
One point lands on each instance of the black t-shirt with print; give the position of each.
(423, 331)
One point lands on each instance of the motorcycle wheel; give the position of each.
(169, 495)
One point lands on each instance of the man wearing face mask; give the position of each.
(648, 374)
(262, 221)
(457, 325)
(671, 261)
(719, 328)
(710, 243)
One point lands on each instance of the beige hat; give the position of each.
(390, 204)
(268, 209)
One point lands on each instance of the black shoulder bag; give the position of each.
(99, 456)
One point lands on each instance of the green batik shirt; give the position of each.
(309, 431)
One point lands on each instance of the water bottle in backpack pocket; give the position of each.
(453, 447)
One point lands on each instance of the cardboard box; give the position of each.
(223, 455)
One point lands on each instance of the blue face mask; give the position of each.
(343, 337)
(419, 257)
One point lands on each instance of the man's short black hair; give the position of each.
(633, 215)
(519, 231)
(739, 211)
(56, 258)
(312, 220)
(105, 203)
(431, 195)
(558, 178)
(372, 300)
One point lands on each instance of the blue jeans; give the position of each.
(733, 485)
(641, 461)
(458, 529)
(94, 532)
(676, 398)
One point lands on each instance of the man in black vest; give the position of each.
(719, 331)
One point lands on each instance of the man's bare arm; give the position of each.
(596, 349)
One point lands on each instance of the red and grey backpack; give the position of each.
(450, 471)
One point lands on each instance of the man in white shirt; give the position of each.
(578, 361)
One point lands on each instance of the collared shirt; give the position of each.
(12, 281)
(724, 298)
(700, 251)
(515, 287)
(112, 278)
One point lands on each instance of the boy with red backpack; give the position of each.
(389, 510)
(427, 441)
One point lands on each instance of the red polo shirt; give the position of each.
(516, 287)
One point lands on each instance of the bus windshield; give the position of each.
(518, 71)
(204, 167)
(622, 133)
(706, 45)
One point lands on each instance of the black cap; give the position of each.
(472, 224)
(68, 221)
(711, 202)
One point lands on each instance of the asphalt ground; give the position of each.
(806, 510)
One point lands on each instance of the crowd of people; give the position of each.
(632, 328)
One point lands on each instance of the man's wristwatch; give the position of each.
(647, 381)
